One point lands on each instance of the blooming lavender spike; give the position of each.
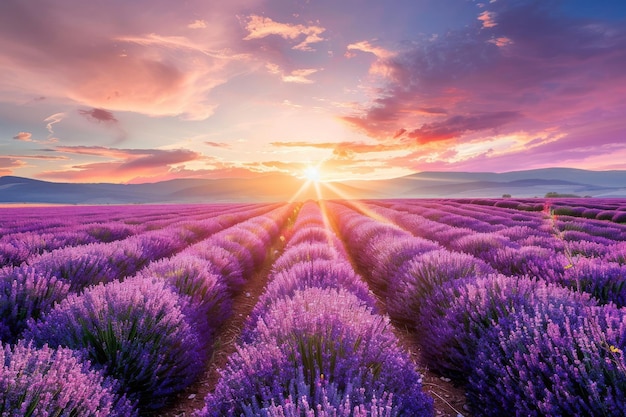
(134, 330)
(554, 360)
(55, 382)
(26, 293)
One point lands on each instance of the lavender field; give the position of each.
(116, 310)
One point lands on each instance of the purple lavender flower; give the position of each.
(458, 314)
(422, 275)
(209, 302)
(308, 274)
(604, 280)
(305, 252)
(134, 330)
(51, 382)
(552, 361)
(319, 338)
(24, 294)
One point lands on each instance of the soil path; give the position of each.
(192, 398)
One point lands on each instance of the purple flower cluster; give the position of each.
(134, 330)
(315, 345)
(55, 382)
(552, 360)
(404, 269)
(459, 313)
(530, 339)
(26, 293)
(325, 340)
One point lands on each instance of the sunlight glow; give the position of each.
(312, 173)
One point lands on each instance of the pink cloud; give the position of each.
(564, 74)
(158, 66)
(8, 164)
(124, 165)
(24, 136)
(347, 149)
(456, 126)
(259, 27)
(217, 144)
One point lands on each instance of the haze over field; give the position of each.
(148, 91)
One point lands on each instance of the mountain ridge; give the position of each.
(282, 187)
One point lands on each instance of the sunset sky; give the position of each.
(148, 90)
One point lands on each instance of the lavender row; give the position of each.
(32, 289)
(42, 219)
(17, 247)
(585, 266)
(496, 219)
(153, 332)
(314, 344)
(517, 343)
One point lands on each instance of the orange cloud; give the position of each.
(24, 137)
(8, 164)
(488, 19)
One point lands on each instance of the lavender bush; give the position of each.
(604, 280)
(134, 330)
(457, 315)
(420, 276)
(24, 294)
(305, 252)
(342, 347)
(552, 361)
(209, 302)
(309, 274)
(55, 382)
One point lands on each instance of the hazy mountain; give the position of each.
(278, 187)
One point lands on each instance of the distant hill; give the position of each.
(278, 187)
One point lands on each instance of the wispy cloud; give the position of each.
(52, 120)
(488, 19)
(298, 76)
(123, 165)
(217, 144)
(8, 164)
(259, 27)
(497, 78)
(197, 24)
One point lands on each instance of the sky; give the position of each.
(149, 90)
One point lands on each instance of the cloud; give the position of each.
(40, 157)
(99, 115)
(259, 27)
(108, 119)
(497, 77)
(8, 164)
(456, 126)
(197, 24)
(24, 136)
(217, 144)
(123, 165)
(346, 150)
(488, 19)
(299, 76)
(52, 120)
(366, 46)
(156, 65)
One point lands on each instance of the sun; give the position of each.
(312, 173)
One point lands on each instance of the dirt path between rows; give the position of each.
(192, 398)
